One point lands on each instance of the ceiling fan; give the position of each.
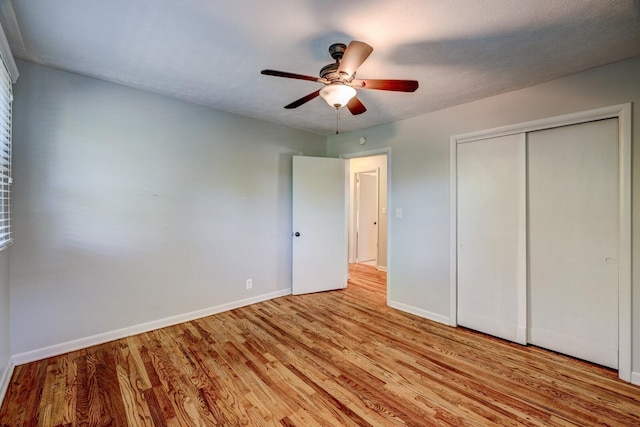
(339, 79)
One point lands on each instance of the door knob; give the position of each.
(297, 234)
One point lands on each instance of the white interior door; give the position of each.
(573, 240)
(367, 216)
(491, 220)
(319, 258)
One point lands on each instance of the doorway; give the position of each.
(368, 225)
(309, 216)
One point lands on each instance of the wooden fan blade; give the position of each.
(289, 75)
(353, 57)
(394, 85)
(356, 106)
(303, 100)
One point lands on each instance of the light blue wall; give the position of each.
(419, 241)
(131, 207)
(5, 349)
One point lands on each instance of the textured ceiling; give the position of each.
(211, 52)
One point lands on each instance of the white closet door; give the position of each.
(491, 210)
(573, 232)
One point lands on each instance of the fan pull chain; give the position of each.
(337, 120)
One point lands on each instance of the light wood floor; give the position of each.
(338, 358)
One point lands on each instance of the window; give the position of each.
(6, 99)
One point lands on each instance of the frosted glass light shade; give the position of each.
(337, 95)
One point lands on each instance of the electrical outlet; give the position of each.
(249, 283)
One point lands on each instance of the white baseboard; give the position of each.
(381, 268)
(635, 378)
(6, 378)
(66, 347)
(419, 312)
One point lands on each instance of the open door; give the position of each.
(319, 249)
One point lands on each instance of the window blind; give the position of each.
(6, 100)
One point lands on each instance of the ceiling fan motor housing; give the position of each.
(330, 71)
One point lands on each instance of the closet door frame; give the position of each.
(623, 113)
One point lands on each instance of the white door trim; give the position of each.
(623, 113)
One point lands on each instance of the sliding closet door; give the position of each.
(573, 232)
(491, 228)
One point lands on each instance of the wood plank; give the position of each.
(325, 359)
(133, 383)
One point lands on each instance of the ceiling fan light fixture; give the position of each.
(337, 95)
